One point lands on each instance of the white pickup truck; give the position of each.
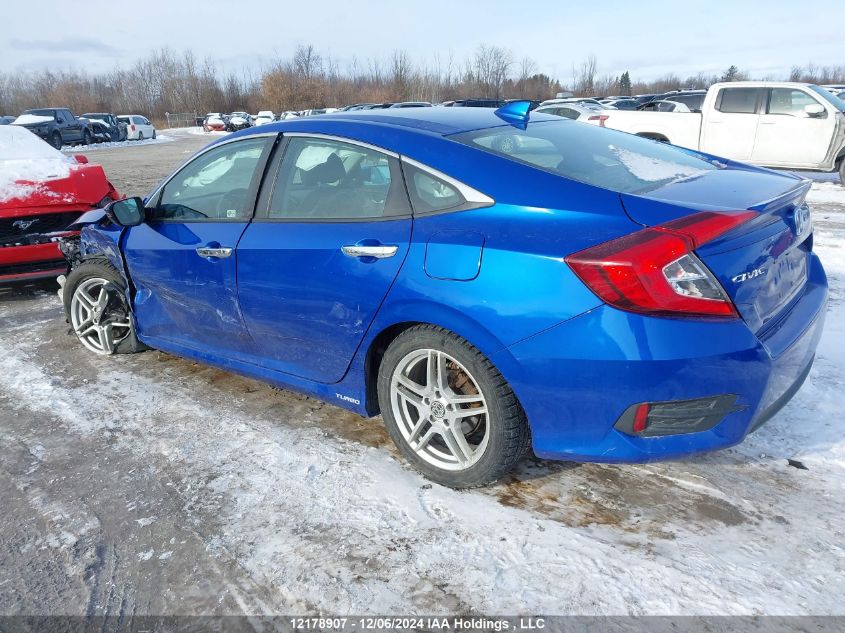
(774, 124)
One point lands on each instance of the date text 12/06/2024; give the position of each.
(433, 623)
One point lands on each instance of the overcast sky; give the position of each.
(647, 37)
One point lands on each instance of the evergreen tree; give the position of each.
(625, 84)
(732, 74)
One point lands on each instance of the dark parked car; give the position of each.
(106, 127)
(57, 126)
(474, 103)
(7, 120)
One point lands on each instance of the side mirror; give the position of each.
(128, 212)
(815, 110)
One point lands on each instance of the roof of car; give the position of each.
(436, 120)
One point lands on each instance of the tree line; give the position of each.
(169, 81)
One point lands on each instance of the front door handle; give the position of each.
(379, 252)
(219, 252)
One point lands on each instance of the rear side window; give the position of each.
(323, 179)
(738, 100)
(430, 194)
(593, 155)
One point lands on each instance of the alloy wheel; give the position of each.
(440, 409)
(98, 316)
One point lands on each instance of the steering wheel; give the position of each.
(232, 200)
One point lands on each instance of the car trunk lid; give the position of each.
(763, 263)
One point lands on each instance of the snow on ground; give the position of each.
(160, 138)
(329, 520)
(179, 131)
(826, 193)
(26, 160)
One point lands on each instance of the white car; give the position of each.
(664, 105)
(572, 110)
(586, 100)
(264, 116)
(137, 127)
(786, 125)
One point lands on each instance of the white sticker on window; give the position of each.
(231, 213)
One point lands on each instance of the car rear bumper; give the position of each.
(578, 379)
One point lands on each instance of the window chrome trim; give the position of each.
(473, 196)
(341, 139)
(201, 152)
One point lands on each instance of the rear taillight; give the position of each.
(133, 127)
(601, 118)
(655, 271)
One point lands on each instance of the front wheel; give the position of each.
(97, 310)
(448, 409)
(56, 140)
(86, 137)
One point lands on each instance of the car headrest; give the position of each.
(330, 171)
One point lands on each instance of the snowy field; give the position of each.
(160, 138)
(227, 496)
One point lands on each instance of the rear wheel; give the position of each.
(154, 133)
(842, 171)
(56, 140)
(448, 409)
(96, 308)
(140, 136)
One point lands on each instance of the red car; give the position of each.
(214, 122)
(42, 192)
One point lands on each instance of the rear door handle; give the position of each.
(379, 252)
(219, 252)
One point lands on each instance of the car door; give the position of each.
(332, 229)
(788, 135)
(74, 130)
(148, 127)
(730, 127)
(182, 258)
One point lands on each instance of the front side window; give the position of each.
(789, 101)
(333, 180)
(214, 186)
(738, 100)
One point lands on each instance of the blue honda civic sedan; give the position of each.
(489, 281)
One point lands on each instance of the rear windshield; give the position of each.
(597, 156)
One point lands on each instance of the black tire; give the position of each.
(56, 140)
(140, 135)
(86, 137)
(154, 133)
(842, 171)
(509, 434)
(102, 268)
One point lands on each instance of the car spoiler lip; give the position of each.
(89, 217)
